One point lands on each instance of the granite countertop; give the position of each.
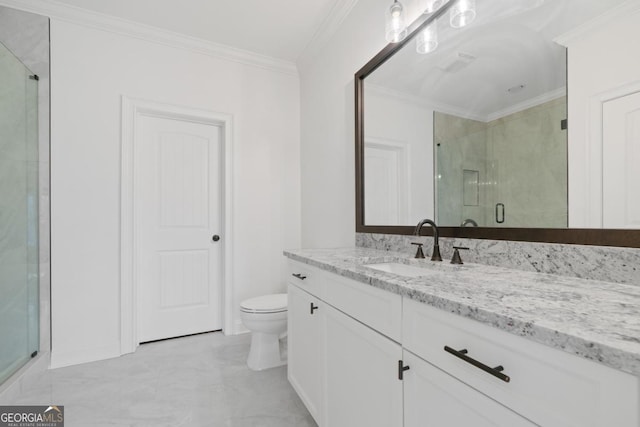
(593, 319)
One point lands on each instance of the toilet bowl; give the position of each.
(266, 318)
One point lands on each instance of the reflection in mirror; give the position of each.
(474, 132)
(506, 172)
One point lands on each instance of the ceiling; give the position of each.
(505, 61)
(277, 28)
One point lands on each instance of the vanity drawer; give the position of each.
(546, 385)
(380, 310)
(307, 278)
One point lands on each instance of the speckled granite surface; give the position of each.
(593, 319)
(619, 265)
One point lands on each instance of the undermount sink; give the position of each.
(400, 269)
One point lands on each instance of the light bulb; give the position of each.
(430, 6)
(395, 28)
(463, 12)
(427, 40)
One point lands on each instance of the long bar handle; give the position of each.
(462, 354)
(299, 276)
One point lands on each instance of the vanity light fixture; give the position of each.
(396, 27)
(462, 13)
(430, 6)
(427, 40)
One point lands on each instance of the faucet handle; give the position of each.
(419, 253)
(455, 259)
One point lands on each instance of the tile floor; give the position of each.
(201, 380)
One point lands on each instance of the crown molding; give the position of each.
(409, 98)
(627, 8)
(63, 12)
(529, 103)
(412, 99)
(329, 26)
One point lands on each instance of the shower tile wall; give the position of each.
(522, 162)
(460, 144)
(529, 151)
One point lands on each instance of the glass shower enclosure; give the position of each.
(19, 270)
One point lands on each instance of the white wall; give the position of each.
(91, 69)
(592, 79)
(327, 120)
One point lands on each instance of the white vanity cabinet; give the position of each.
(362, 386)
(345, 371)
(306, 342)
(545, 385)
(345, 361)
(434, 398)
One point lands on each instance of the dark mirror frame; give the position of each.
(580, 236)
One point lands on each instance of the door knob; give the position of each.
(215, 238)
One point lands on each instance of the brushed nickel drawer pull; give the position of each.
(462, 354)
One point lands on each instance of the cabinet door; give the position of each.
(305, 348)
(434, 398)
(361, 366)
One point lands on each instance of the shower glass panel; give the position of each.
(19, 271)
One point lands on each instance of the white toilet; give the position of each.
(266, 318)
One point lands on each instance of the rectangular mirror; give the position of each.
(472, 133)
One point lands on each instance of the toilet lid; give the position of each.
(265, 304)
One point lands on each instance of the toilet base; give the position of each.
(265, 352)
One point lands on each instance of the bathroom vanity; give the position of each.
(377, 339)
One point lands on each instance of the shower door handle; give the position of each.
(499, 213)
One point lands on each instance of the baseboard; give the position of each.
(28, 374)
(77, 357)
(238, 328)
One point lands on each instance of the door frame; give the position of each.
(132, 111)
(591, 201)
(403, 149)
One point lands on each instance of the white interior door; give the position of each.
(177, 214)
(620, 160)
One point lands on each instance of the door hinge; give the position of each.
(401, 369)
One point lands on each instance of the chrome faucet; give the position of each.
(436, 247)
